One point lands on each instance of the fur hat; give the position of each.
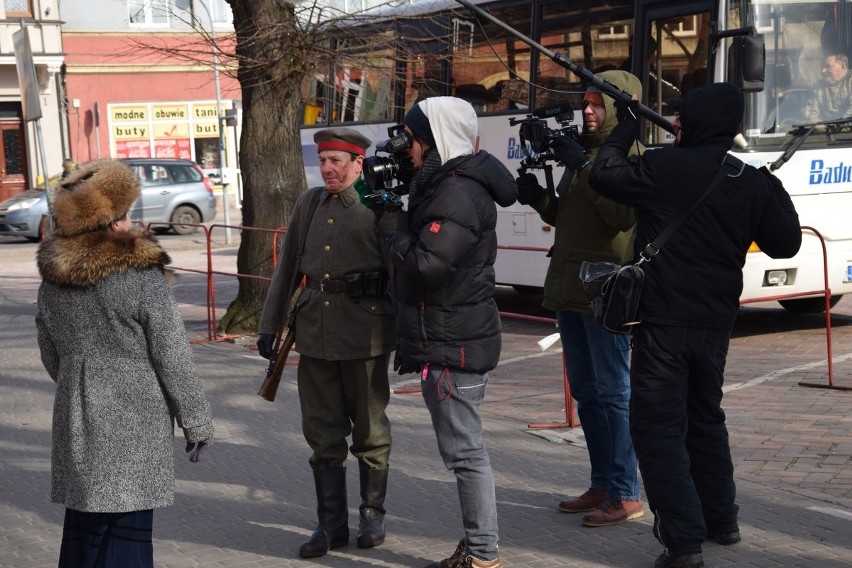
(93, 196)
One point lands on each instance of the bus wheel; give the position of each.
(808, 305)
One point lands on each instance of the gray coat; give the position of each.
(112, 339)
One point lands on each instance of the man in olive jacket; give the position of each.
(344, 334)
(591, 227)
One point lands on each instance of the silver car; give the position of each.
(173, 191)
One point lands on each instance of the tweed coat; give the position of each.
(342, 238)
(112, 339)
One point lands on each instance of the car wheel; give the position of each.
(185, 214)
(808, 305)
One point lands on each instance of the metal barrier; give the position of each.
(570, 420)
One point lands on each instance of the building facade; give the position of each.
(141, 82)
(31, 109)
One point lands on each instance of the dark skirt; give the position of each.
(107, 540)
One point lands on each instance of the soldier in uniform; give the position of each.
(344, 335)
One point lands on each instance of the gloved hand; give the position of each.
(265, 345)
(390, 219)
(196, 450)
(529, 191)
(569, 152)
(627, 111)
(402, 367)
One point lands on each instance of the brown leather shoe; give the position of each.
(456, 560)
(613, 512)
(588, 501)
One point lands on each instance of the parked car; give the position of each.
(173, 191)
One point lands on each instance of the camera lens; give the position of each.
(378, 171)
(398, 143)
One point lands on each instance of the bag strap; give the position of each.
(303, 237)
(653, 249)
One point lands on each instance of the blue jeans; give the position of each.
(598, 368)
(453, 399)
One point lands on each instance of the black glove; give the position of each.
(265, 345)
(402, 367)
(390, 219)
(627, 111)
(529, 191)
(196, 450)
(569, 152)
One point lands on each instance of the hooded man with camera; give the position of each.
(688, 306)
(447, 321)
(591, 227)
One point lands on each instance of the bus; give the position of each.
(773, 50)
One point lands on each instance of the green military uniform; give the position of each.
(345, 331)
(343, 342)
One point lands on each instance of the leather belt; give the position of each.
(325, 284)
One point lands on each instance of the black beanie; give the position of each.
(418, 122)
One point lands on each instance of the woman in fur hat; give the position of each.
(112, 339)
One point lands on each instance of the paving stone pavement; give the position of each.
(251, 503)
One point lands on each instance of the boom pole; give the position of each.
(592, 79)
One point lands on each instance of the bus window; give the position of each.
(679, 50)
(490, 70)
(592, 34)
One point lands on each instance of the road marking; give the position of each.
(839, 513)
(782, 372)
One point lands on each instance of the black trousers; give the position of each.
(107, 540)
(679, 433)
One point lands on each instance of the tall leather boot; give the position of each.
(371, 526)
(333, 528)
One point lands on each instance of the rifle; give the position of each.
(276, 365)
(580, 71)
(282, 349)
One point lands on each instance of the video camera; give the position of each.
(536, 136)
(380, 172)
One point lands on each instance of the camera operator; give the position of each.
(447, 322)
(688, 306)
(344, 336)
(591, 227)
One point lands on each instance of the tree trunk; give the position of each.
(270, 75)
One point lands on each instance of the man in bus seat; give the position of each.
(832, 96)
(344, 336)
(688, 306)
(447, 322)
(594, 228)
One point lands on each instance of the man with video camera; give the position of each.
(591, 227)
(447, 322)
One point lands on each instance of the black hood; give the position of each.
(711, 114)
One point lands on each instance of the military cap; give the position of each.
(342, 139)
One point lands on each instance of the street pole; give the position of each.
(220, 125)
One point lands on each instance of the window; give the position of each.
(148, 12)
(18, 8)
(620, 31)
(220, 11)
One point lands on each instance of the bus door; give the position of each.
(673, 40)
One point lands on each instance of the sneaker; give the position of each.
(685, 561)
(588, 501)
(612, 512)
(726, 538)
(473, 562)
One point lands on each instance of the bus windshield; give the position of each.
(804, 82)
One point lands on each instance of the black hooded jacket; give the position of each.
(696, 280)
(444, 266)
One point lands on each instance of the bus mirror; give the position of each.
(747, 62)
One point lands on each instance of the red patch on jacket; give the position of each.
(435, 227)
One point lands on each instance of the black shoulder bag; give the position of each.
(615, 290)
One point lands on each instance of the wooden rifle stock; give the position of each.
(276, 367)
